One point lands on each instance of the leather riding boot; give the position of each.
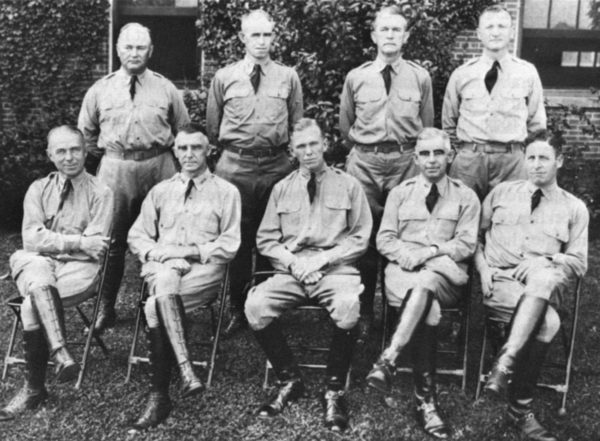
(158, 405)
(424, 351)
(107, 316)
(368, 274)
(33, 392)
(172, 316)
(498, 333)
(48, 308)
(409, 318)
(527, 319)
(339, 360)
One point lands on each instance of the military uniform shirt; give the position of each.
(239, 117)
(452, 225)
(368, 115)
(514, 108)
(110, 120)
(338, 223)
(557, 228)
(208, 219)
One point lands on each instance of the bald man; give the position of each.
(130, 119)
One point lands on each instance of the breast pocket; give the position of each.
(204, 219)
(113, 108)
(367, 100)
(412, 221)
(289, 214)
(513, 102)
(446, 220)
(553, 239)
(237, 101)
(276, 106)
(475, 100)
(408, 103)
(335, 212)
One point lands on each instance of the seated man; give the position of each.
(533, 239)
(66, 221)
(429, 228)
(187, 231)
(316, 226)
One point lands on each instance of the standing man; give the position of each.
(66, 223)
(491, 105)
(429, 229)
(131, 118)
(384, 105)
(252, 104)
(534, 238)
(187, 231)
(316, 226)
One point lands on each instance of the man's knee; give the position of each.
(550, 326)
(255, 308)
(345, 311)
(435, 314)
(542, 283)
(166, 281)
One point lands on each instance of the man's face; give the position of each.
(432, 156)
(495, 30)
(308, 147)
(257, 36)
(134, 49)
(67, 152)
(191, 150)
(389, 34)
(542, 163)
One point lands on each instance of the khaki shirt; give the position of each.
(452, 225)
(514, 109)
(86, 211)
(368, 115)
(208, 219)
(338, 223)
(557, 228)
(238, 117)
(110, 120)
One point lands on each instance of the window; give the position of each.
(562, 38)
(173, 27)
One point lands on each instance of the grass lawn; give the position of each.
(105, 405)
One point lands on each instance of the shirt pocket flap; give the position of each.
(288, 205)
(369, 93)
(239, 91)
(338, 200)
(412, 214)
(449, 212)
(515, 93)
(409, 95)
(505, 216)
(281, 92)
(558, 232)
(472, 94)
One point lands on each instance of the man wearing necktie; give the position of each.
(429, 228)
(66, 220)
(316, 226)
(187, 231)
(384, 105)
(129, 119)
(533, 240)
(252, 104)
(492, 103)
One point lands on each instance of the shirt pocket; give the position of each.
(513, 102)
(367, 99)
(475, 100)
(204, 222)
(276, 102)
(237, 101)
(113, 108)
(335, 212)
(553, 238)
(446, 220)
(408, 103)
(412, 222)
(290, 217)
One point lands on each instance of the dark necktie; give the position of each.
(188, 190)
(432, 198)
(311, 187)
(536, 197)
(387, 77)
(492, 76)
(132, 81)
(64, 193)
(255, 77)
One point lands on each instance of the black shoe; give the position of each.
(365, 325)
(289, 391)
(25, 399)
(500, 376)
(107, 318)
(381, 376)
(430, 419)
(237, 323)
(157, 410)
(67, 369)
(336, 411)
(529, 427)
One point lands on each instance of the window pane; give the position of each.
(535, 14)
(589, 15)
(564, 14)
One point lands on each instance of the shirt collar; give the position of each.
(198, 180)
(442, 185)
(305, 173)
(379, 64)
(123, 74)
(76, 181)
(488, 61)
(550, 192)
(248, 65)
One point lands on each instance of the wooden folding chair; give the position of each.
(15, 304)
(216, 326)
(568, 346)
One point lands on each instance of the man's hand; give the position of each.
(523, 269)
(94, 246)
(312, 278)
(182, 266)
(487, 283)
(409, 260)
(166, 252)
(305, 266)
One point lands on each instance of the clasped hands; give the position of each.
(173, 256)
(521, 272)
(307, 269)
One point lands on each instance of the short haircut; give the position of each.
(65, 128)
(256, 13)
(304, 124)
(549, 138)
(494, 9)
(192, 128)
(134, 25)
(389, 10)
(432, 133)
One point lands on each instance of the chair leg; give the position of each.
(465, 343)
(136, 332)
(480, 381)
(11, 345)
(217, 331)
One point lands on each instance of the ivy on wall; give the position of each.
(48, 50)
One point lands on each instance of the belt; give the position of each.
(136, 155)
(257, 152)
(492, 147)
(386, 147)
